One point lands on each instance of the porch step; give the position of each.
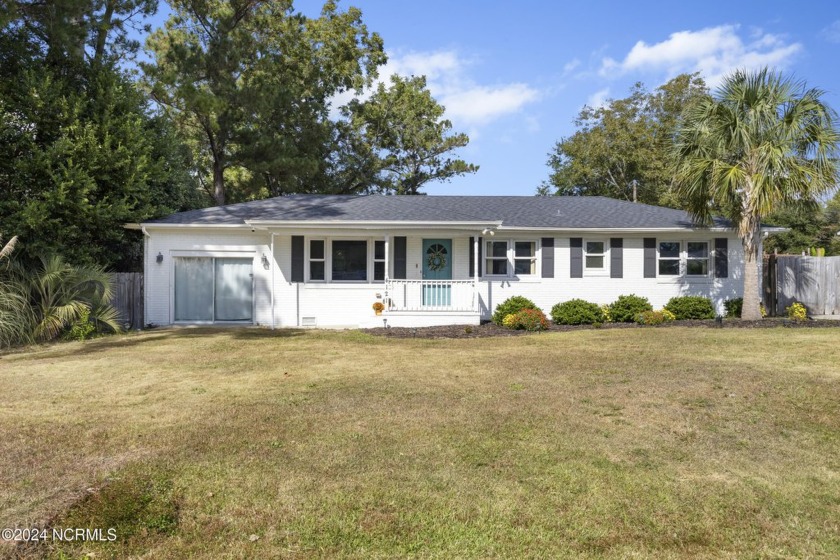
(421, 319)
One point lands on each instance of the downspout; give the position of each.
(273, 263)
(146, 238)
(387, 279)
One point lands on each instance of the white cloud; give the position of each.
(713, 51)
(482, 104)
(433, 65)
(571, 65)
(467, 102)
(832, 32)
(599, 98)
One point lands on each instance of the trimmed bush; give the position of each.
(733, 307)
(626, 308)
(654, 317)
(512, 306)
(577, 312)
(531, 320)
(691, 307)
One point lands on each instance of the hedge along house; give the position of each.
(321, 260)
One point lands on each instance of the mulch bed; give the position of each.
(491, 329)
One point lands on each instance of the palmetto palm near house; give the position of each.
(315, 260)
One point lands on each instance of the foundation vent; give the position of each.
(309, 321)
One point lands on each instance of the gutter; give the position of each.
(369, 224)
(272, 281)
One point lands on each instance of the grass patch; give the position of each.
(594, 444)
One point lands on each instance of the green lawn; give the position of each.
(632, 443)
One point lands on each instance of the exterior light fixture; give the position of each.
(159, 258)
(265, 261)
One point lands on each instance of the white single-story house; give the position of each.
(324, 260)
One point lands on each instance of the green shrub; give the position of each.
(82, 328)
(512, 306)
(626, 308)
(654, 317)
(530, 320)
(691, 307)
(577, 312)
(733, 307)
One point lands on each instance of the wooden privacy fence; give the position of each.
(812, 281)
(128, 298)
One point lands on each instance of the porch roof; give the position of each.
(552, 212)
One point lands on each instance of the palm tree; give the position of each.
(39, 304)
(760, 142)
(62, 293)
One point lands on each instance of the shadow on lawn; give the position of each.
(143, 338)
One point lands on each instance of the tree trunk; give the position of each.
(103, 28)
(751, 309)
(218, 181)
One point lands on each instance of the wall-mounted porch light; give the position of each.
(265, 261)
(159, 258)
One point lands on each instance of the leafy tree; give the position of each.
(809, 225)
(403, 141)
(251, 82)
(622, 150)
(96, 30)
(80, 156)
(763, 141)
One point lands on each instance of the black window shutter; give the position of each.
(576, 269)
(721, 257)
(400, 257)
(616, 257)
(472, 257)
(297, 258)
(547, 244)
(650, 257)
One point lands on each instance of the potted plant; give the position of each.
(378, 307)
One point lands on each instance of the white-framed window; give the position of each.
(683, 258)
(697, 258)
(349, 260)
(669, 258)
(496, 258)
(378, 261)
(524, 258)
(511, 257)
(317, 260)
(595, 256)
(340, 259)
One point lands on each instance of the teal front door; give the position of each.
(437, 265)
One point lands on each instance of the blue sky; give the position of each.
(513, 75)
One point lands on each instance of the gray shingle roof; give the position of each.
(583, 212)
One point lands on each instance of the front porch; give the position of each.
(424, 303)
(431, 296)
